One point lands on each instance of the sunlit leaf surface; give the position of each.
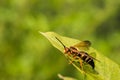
(106, 69)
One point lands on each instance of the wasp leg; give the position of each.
(69, 53)
(81, 66)
(75, 57)
(70, 61)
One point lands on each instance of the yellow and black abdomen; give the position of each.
(86, 58)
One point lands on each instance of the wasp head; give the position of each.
(66, 50)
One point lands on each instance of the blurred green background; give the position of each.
(27, 55)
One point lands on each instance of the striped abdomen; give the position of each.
(85, 57)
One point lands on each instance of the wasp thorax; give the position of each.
(73, 48)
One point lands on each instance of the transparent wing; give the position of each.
(93, 55)
(83, 45)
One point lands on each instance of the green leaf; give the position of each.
(106, 69)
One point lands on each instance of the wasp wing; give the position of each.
(93, 54)
(83, 45)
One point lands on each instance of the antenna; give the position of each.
(60, 42)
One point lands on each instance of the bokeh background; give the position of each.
(27, 55)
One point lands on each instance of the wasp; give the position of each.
(82, 56)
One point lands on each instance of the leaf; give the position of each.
(106, 69)
(65, 78)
